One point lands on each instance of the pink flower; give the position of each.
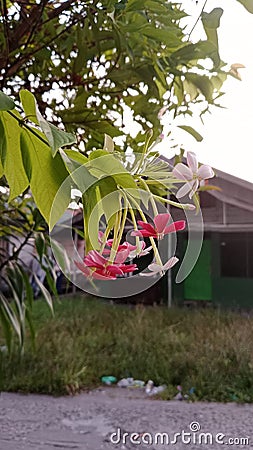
(123, 249)
(98, 267)
(160, 227)
(192, 174)
(157, 268)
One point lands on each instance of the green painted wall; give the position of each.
(198, 284)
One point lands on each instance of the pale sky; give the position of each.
(228, 133)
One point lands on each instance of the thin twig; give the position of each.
(199, 16)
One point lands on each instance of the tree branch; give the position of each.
(15, 254)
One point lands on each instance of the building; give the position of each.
(223, 274)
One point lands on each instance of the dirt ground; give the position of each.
(99, 419)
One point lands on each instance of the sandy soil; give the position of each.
(87, 421)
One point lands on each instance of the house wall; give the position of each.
(227, 292)
(232, 292)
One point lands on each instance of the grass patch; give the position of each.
(208, 350)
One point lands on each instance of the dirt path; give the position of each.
(87, 421)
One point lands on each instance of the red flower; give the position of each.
(160, 227)
(98, 267)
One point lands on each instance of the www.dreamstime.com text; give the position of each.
(193, 435)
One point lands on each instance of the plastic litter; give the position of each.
(125, 382)
(108, 380)
(130, 383)
(138, 383)
(157, 389)
(151, 389)
(149, 386)
(179, 396)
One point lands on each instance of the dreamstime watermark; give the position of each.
(193, 435)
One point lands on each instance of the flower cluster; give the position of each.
(96, 265)
(115, 257)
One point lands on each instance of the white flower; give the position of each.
(192, 174)
(157, 268)
(140, 250)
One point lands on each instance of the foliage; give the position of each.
(86, 61)
(22, 228)
(205, 349)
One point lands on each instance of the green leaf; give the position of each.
(40, 245)
(6, 324)
(29, 105)
(168, 37)
(11, 317)
(76, 156)
(1, 169)
(47, 176)
(203, 84)
(2, 148)
(6, 103)
(194, 52)
(101, 164)
(91, 222)
(248, 4)
(28, 288)
(45, 293)
(109, 198)
(56, 137)
(211, 21)
(75, 163)
(61, 255)
(11, 155)
(191, 131)
(29, 319)
(108, 144)
(104, 126)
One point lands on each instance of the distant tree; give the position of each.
(86, 60)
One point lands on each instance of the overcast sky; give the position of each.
(228, 133)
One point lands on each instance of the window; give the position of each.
(236, 255)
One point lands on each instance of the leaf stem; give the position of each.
(24, 125)
(157, 256)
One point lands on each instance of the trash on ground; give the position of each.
(150, 388)
(130, 383)
(109, 380)
(180, 396)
